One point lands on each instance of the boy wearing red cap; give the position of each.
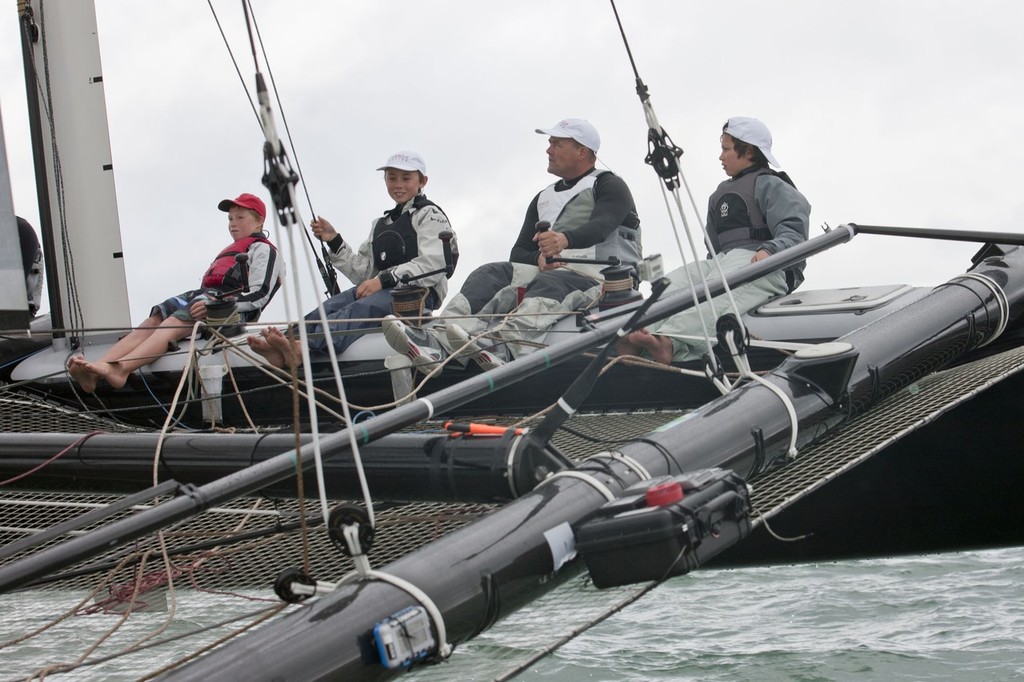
(173, 319)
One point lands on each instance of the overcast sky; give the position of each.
(883, 112)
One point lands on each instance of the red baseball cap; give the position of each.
(245, 201)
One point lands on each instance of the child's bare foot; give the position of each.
(658, 347)
(77, 369)
(289, 350)
(260, 345)
(114, 373)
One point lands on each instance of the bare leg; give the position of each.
(131, 341)
(86, 377)
(261, 345)
(154, 345)
(657, 346)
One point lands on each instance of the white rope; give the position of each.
(697, 305)
(746, 373)
(335, 370)
(583, 476)
(636, 467)
(364, 572)
(652, 122)
(444, 649)
(429, 405)
(182, 381)
(510, 463)
(296, 293)
(779, 345)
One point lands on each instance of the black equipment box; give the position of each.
(637, 537)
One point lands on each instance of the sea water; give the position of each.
(943, 617)
(957, 616)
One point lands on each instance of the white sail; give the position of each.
(78, 211)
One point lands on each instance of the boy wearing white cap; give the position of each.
(403, 243)
(755, 213)
(591, 216)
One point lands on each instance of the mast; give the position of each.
(74, 173)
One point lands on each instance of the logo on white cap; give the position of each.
(405, 160)
(577, 129)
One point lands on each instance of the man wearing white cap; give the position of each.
(757, 212)
(404, 243)
(591, 217)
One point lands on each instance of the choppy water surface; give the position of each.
(942, 617)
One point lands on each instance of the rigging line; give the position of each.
(47, 669)
(325, 267)
(43, 465)
(327, 271)
(682, 253)
(279, 179)
(577, 631)
(170, 570)
(697, 305)
(46, 93)
(622, 32)
(277, 374)
(189, 359)
(238, 394)
(234, 62)
(273, 611)
(156, 401)
(293, 374)
(280, 106)
(340, 384)
(663, 156)
(184, 635)
(136, 591)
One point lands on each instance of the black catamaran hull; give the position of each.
(950, 485)
(485, 570)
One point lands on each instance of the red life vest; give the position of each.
(220, 272)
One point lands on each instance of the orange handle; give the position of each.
(478, 429)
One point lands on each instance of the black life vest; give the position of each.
(224, 272)
(736, 219)
(396, 243)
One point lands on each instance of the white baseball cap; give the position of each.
(752, 131)
(406, 160)
(576, 129)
